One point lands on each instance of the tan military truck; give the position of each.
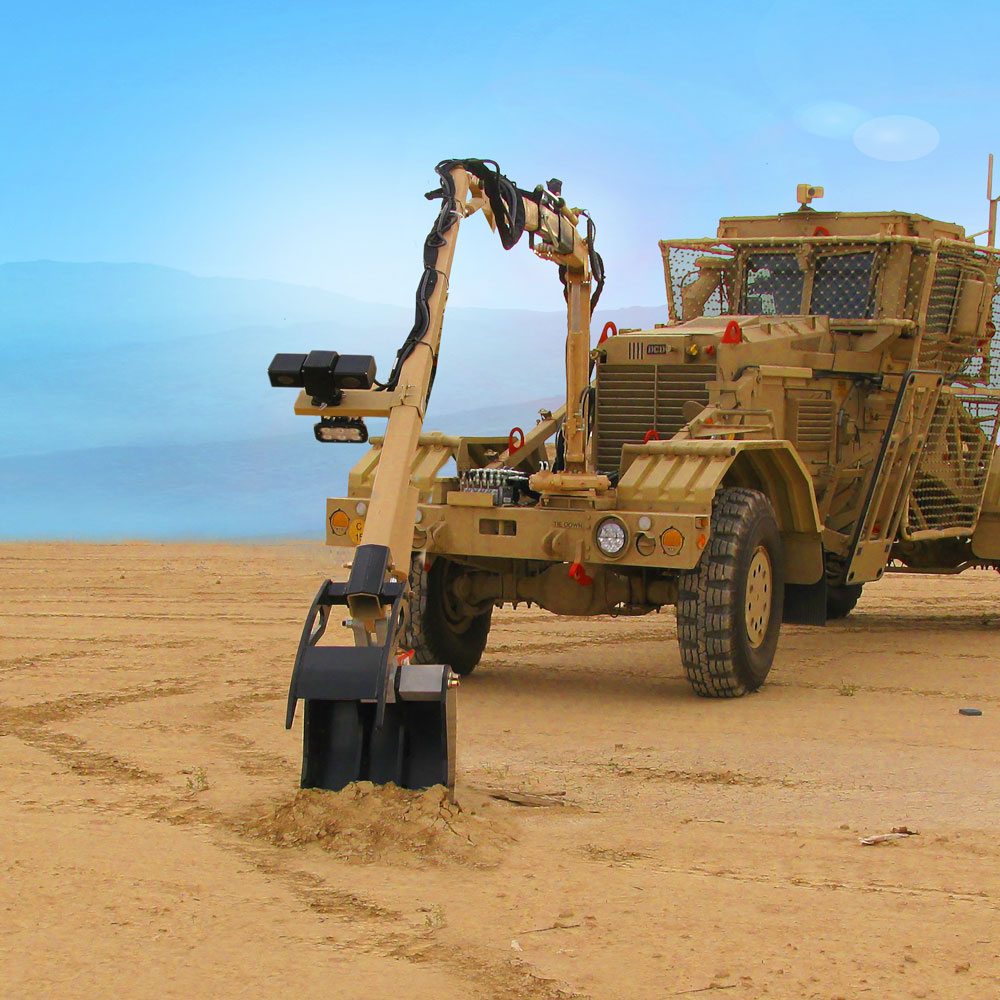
(819, 407)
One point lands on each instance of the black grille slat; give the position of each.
(633, 399)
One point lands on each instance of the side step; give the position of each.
(367, 717)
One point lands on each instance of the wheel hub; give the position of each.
(758, 604)
(457, 611)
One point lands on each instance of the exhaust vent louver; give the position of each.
(812, 420)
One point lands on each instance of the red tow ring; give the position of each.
(733, 334)
(515, 440)
(610, 330)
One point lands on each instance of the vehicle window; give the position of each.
(843, 286)
(773, 285)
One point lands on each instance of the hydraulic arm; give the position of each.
(369, 713)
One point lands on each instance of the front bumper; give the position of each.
(469, 525)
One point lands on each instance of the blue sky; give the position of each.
(294, 140)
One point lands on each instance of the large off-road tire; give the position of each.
(840, 601)
(729, 606)
(439, 628)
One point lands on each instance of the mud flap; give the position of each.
(805, 603)
(367, 718)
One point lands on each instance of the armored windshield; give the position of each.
(774, 283)
(844, 286)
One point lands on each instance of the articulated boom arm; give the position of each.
(467, 186)
(368, 713)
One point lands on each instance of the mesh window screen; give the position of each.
(844, 286)
(991, 353)
(697, 273)
(954, 462)
(952, 338)
(852, 281)
(774, 283)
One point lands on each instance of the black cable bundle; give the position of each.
(596, 264)
(504, 196)
(596, 267)
(507, 204)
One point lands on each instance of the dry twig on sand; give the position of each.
(551, 927)
(898, 833)
(520, 798)
(704, 989)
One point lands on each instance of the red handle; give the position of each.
(515, 443)
(610, 330)
(651, 435)
(821, 231)
(578, 573)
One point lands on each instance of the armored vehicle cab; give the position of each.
(891, 320)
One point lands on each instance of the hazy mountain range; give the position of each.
(135, 401)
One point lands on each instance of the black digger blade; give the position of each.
(414, 747)
(368, 718)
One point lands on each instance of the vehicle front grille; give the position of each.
(634, 399)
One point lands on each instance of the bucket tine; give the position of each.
(333, 744)
(430, 739)
(385, 749)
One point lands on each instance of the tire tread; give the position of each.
(706, 629)
(426, 631)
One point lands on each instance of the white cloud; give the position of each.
(830, 119)
(896, 137)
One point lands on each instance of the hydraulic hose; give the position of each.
(507, 204)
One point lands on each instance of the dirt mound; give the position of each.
(365, 823)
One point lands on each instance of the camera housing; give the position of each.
(323, 374)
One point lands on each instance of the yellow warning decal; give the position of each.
(339, 522)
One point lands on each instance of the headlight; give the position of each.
(341, 429)
(611, 537)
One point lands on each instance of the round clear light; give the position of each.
(418, 517)
(611, 537)
(645, 523)
(361, 508)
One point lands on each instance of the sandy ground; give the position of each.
(153, 843)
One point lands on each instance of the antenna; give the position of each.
(992, 230)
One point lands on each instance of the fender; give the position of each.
(663, 474)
